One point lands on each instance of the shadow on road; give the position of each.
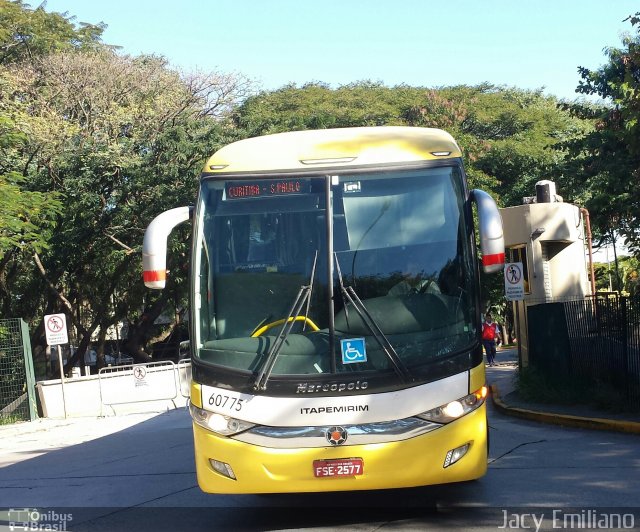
(121, 474)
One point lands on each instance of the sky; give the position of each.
(516, 43)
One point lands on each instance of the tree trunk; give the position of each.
(135, 343)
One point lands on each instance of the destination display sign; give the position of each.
(266, 188)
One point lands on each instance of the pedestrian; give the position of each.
(490, 333)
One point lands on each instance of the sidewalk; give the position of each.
(501, 379)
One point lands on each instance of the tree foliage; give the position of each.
(317, 106)
(603, 167)
(120, 139)
(26, 34)
(27, 215)
(622, 276)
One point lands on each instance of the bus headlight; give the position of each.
(456, 409)
(224, 425)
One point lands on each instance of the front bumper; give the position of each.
(398, 464)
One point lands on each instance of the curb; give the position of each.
(565, 420)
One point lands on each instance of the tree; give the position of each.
(26, 34)
(452, 109)
(127, 137)
(317, 106)
(26, 215)
(603, 167)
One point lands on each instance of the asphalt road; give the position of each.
(136, 472)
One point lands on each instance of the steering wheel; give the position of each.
(264, 328)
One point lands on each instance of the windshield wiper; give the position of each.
(349, 294)
(304, 296)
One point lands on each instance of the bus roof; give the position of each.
(333, 148)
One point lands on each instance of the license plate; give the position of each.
(342, 467)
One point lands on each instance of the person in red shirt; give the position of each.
(490, 333)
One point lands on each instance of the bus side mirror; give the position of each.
(154, 245)
(490, 230)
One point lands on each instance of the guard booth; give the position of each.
(552, 241)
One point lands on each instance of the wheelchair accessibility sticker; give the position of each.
(353, 350)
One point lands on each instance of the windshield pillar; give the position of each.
(330, 298)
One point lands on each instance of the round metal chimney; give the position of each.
(545, 191)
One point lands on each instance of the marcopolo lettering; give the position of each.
(310, 387)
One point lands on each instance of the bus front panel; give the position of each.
(341, 284)
(414, 462)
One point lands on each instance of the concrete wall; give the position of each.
(553, 234)
(153, 387)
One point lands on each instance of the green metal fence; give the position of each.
(17, 381)
(596, 339)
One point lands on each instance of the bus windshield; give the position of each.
(398, 240)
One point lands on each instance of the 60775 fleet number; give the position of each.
(225, 401)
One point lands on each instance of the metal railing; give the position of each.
(604, 336)
(599, 339)
(137, 383)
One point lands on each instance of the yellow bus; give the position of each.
(335, 312)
